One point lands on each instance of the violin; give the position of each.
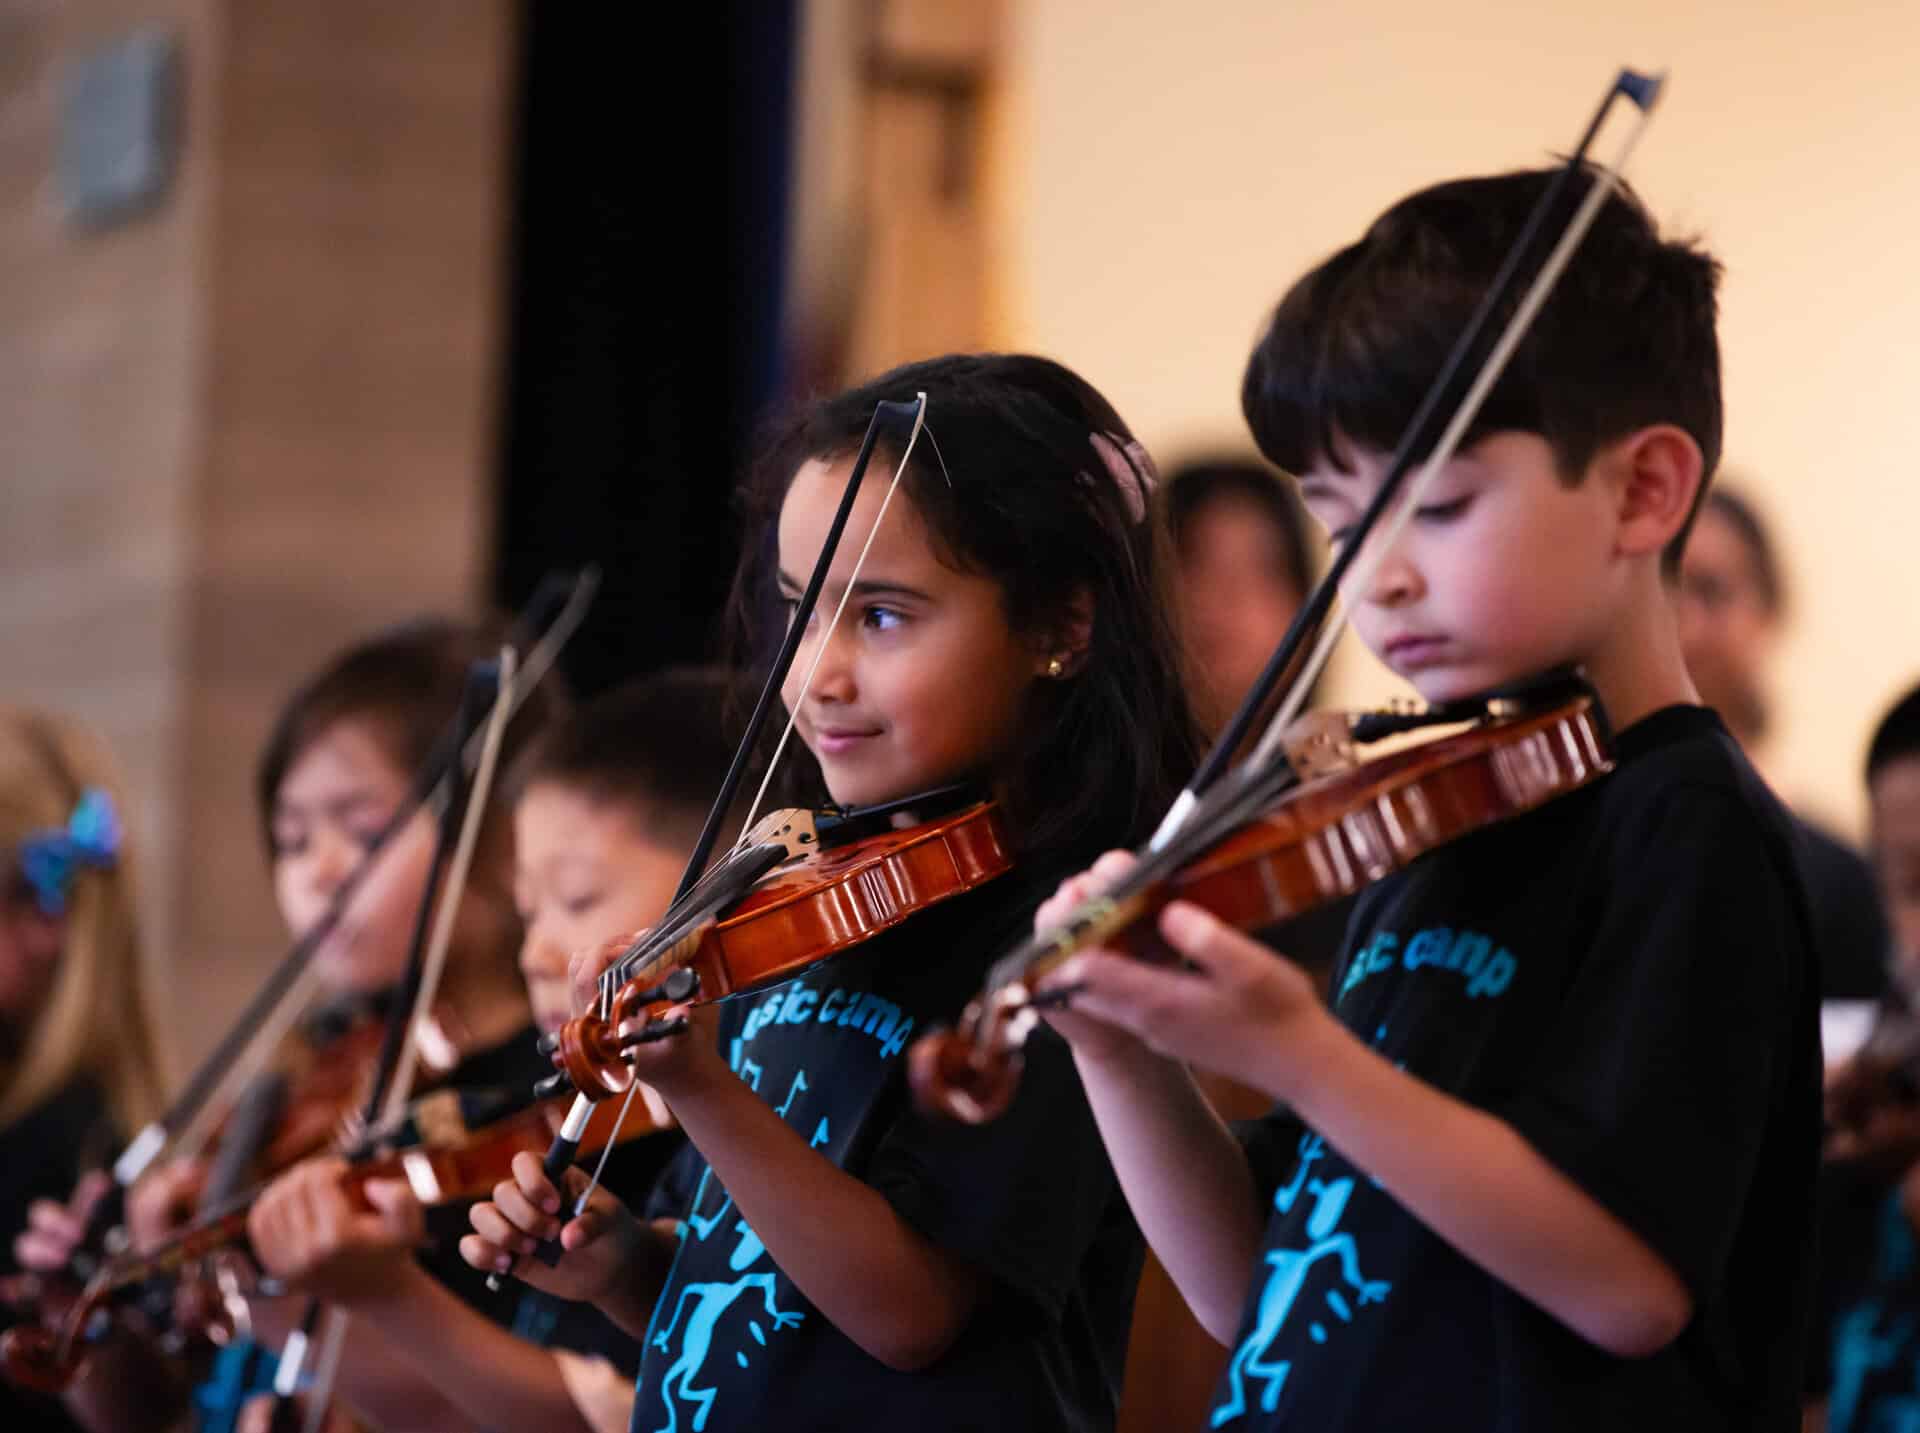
(449, 1164)
(799, 888)
(1260, 859)
(1276, 835)
(319, 1083)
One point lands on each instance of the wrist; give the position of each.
(1302, 1051)
(700, 1076)
(634, 1282)
(1122, 1064)
(377, 1288)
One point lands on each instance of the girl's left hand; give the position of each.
(1243, 1010)
(305, 1232)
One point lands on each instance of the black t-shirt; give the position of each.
(559, 1323)
(42, 1155)
(1029, 1198)
(516, 1064)
(1849, 927)
(1625, 976)
(1875, 1348)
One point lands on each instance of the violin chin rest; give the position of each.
(951, 1077)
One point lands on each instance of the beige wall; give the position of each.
(1169, 168)
(100, 336)
(244, 428)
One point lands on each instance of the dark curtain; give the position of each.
(646, 259)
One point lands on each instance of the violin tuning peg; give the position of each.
(547, 1044)
(555, 1084)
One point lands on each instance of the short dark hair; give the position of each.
(1626, 340)
(1195, 486)
(1011, 485)
(406, 684)
(657, 746)
(1898, 735)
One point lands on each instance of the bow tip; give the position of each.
(1642, 89)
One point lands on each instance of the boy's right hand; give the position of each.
(583, 969)
(600, 1243)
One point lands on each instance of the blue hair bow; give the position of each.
(50, 859)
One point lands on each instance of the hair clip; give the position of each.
(1131, 469)
(49, 859)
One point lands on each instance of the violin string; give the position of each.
(332, 1341)
(806, 684)
(939, 457)
(693, 906)
(266, 1039)
(185, 1124)
(1186, 820)
(454, 888)
(400, 1083)
(1606, 181)
(846, 595)
(593, 1181)
(621, 970)
(1642, 90)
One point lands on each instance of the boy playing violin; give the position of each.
(1547, 1160)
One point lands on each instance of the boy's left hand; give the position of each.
(1242, 1010)
(678, 1063)
(305, 1231)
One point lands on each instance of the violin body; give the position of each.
(47, 1358)
(1322, 840)
(804, 911)
(325, 1074)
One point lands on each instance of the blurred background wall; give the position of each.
(444, 294)
(1169, 169)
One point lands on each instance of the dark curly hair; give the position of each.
(1019, 493)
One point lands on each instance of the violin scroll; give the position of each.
(952, 1075)
(38, 1358)
(1256, 862)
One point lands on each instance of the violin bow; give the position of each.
(1312, 620)
(566, 1143)
(1193, 820)
(492, 685)
(555, 612)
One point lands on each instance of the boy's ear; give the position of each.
(1657, 471)
(1068, 641)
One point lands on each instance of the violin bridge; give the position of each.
(1320, 744)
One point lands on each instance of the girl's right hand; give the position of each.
(600, 1243)
(54, 1230)
(163, 1201)
(1090, 1038)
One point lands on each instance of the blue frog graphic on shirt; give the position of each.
(1279, 1299)
(702, 1305)
(710, 1301)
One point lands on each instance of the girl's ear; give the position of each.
(1063, 647)
(1658, 471)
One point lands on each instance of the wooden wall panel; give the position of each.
(254, 423)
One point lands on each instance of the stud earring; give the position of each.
(1056, 668)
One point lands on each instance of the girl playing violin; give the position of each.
(78, 1070)
(835, 1260)
(1548, 1160)
(336, 767)
(609, 804)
